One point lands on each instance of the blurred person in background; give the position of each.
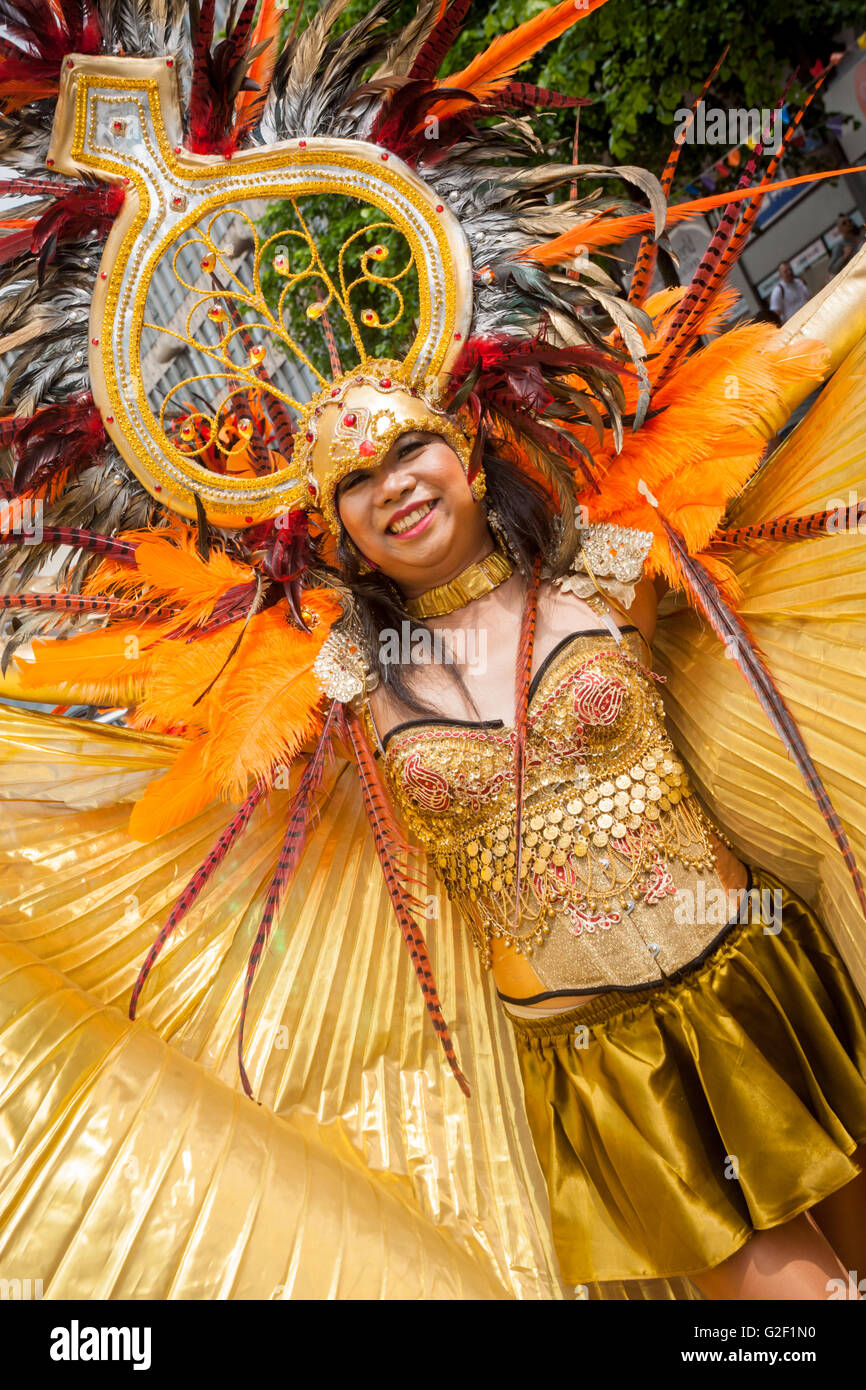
(789, 294)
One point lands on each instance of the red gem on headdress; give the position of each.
(440, 207)
(169, 62)
(117, 126)
(109, 419)
(249, 520)
(311, 488)
(458, 336)
(349, 420)
(386, 382)
(178, 148)
(366, 448)
(386, 155)
(157, 488)
(49, 162)
(103, 274)
(302, 144)
(308, 436)
(95, 342)
(336, 391)
(69, 63)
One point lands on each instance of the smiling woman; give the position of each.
(450, 427)
(565, 828)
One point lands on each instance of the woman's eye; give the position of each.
(348, 483)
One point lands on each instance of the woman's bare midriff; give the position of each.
(514, 976)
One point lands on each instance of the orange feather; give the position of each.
(261, 68)
(604, 230)
(259, 713)
(492, 69)
(716, 413)
(173, 799)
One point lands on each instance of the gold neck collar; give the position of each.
(475, 581)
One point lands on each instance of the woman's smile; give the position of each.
(410, 521)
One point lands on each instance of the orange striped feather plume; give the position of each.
(300, 812)
(707, 278)
(735, 245)
(491, 69)
(606, 230)
(387, 840)
(79, 603)
(523, 680)
(790, 528)
(705, 440)
(645, 261)
(740, 644)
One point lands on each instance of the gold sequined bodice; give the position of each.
(611, 830)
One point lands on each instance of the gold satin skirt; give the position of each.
(685, 1116)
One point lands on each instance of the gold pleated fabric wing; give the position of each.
(133, 1166)
(805, 604)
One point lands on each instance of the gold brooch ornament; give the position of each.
(340, 668)
(609, 558)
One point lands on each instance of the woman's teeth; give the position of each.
(411, 519)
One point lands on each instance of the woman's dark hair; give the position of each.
(526, 518)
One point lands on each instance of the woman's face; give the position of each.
(413, 515)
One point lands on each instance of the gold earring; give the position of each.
(478, 486)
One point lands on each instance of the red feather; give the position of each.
(37, 38)
(51, 446)
(386, 837)
(218, 76)
(439, 41)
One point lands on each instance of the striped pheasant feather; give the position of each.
(645, 261)
(74, 536)
(385, 836)
(84, 603)
(752, 209)
(523, 682)
(300, 812)
(791, 528)
(235, 828)
(731, 630)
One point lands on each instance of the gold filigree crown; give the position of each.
(354, 423)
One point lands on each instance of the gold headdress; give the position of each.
(169, 278)
(354, 423)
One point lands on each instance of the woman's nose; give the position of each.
(395, 482)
